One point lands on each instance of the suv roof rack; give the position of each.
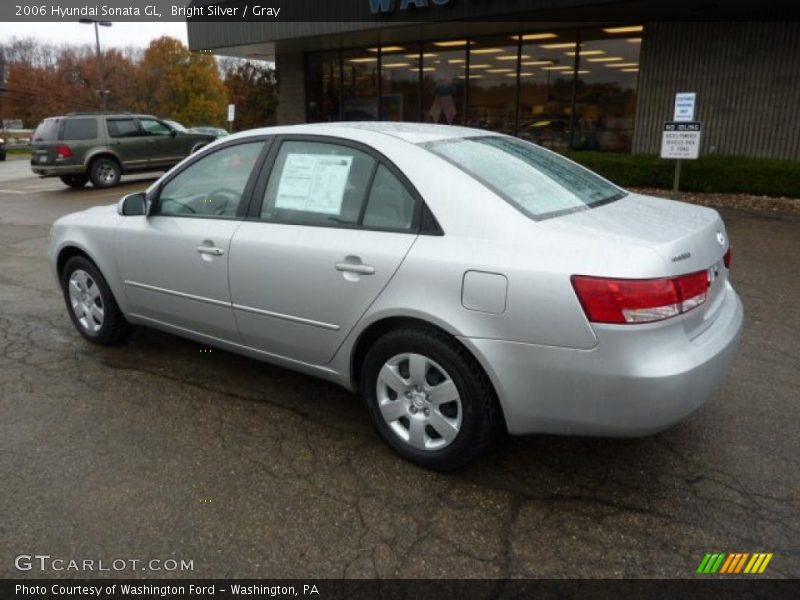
(99, 112)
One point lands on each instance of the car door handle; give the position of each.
(347, 267)
(212, 250)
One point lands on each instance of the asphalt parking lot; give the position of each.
(162, 449)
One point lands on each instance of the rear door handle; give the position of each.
(212, 250)
(347, 267)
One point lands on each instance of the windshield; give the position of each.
(176, 126)
(538, 182)
(47, 131)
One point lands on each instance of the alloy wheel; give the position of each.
(86, 301)
(419, 401)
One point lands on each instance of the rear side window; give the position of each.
(315, 183)
(390, 204)
(47, 131)
(79, 129)
(121, 128)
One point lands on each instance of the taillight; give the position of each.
(727, 258)
(63, 151)
(639, 300)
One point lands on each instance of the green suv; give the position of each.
(100, 147)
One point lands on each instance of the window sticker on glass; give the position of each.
(314, 183)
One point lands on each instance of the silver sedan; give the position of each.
(462, 281)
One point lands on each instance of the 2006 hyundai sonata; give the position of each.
(461, 280)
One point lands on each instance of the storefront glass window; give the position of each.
(400, 82)
(546, 82)
(360, 85)
(444, 77)
(323, 87)
(562, 89)
(605, 90)
(493, 84)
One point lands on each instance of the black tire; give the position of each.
(479, 407)
(75, 181)
(114, 328)
(105, 172)
(2, 156)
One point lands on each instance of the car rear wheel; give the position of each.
(75, 181)
(90, 303)
(105, 172)
(429, 398)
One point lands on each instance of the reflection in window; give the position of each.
(360, 85)
(444, 75)
(324, 85)
(400, 83)
(213, 186)
(493, 84)
(605, 90)
(546, 81)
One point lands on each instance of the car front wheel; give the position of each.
(90, 303)
(429, 398)
(105, 173)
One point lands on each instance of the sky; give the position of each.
(119, 35)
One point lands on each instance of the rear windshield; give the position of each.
(538, 182)
(79, 129)
(47, 131)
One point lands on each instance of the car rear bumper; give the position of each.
(634, 382)
(58, 171)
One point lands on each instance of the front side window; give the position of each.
(153, 127)
(540, 183)
(122, 128)
(213, 186)
(316, 183)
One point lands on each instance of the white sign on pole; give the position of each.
(684, 106)
(231, 113)
(681, 140)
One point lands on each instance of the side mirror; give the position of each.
(173, 132)
(133, 205)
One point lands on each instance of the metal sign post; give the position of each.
(231, 116)
(681, 138)
(680, 141)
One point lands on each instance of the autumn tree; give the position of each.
(165, 80)
(252, 88)
(180, 85)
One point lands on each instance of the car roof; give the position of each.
(414, 133)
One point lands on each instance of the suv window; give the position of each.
(213, 186)
(79, 129)
(153, 127)
(120, 128)
(47, 131)
(390, 204)
(315, 183)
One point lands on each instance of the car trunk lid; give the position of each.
(688, 238)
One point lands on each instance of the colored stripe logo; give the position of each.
(735, 563)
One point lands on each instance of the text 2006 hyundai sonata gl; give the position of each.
(459, 279)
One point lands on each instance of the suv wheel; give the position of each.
(429, 398)
(104, 172)
(75, 181)
(90, 303)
